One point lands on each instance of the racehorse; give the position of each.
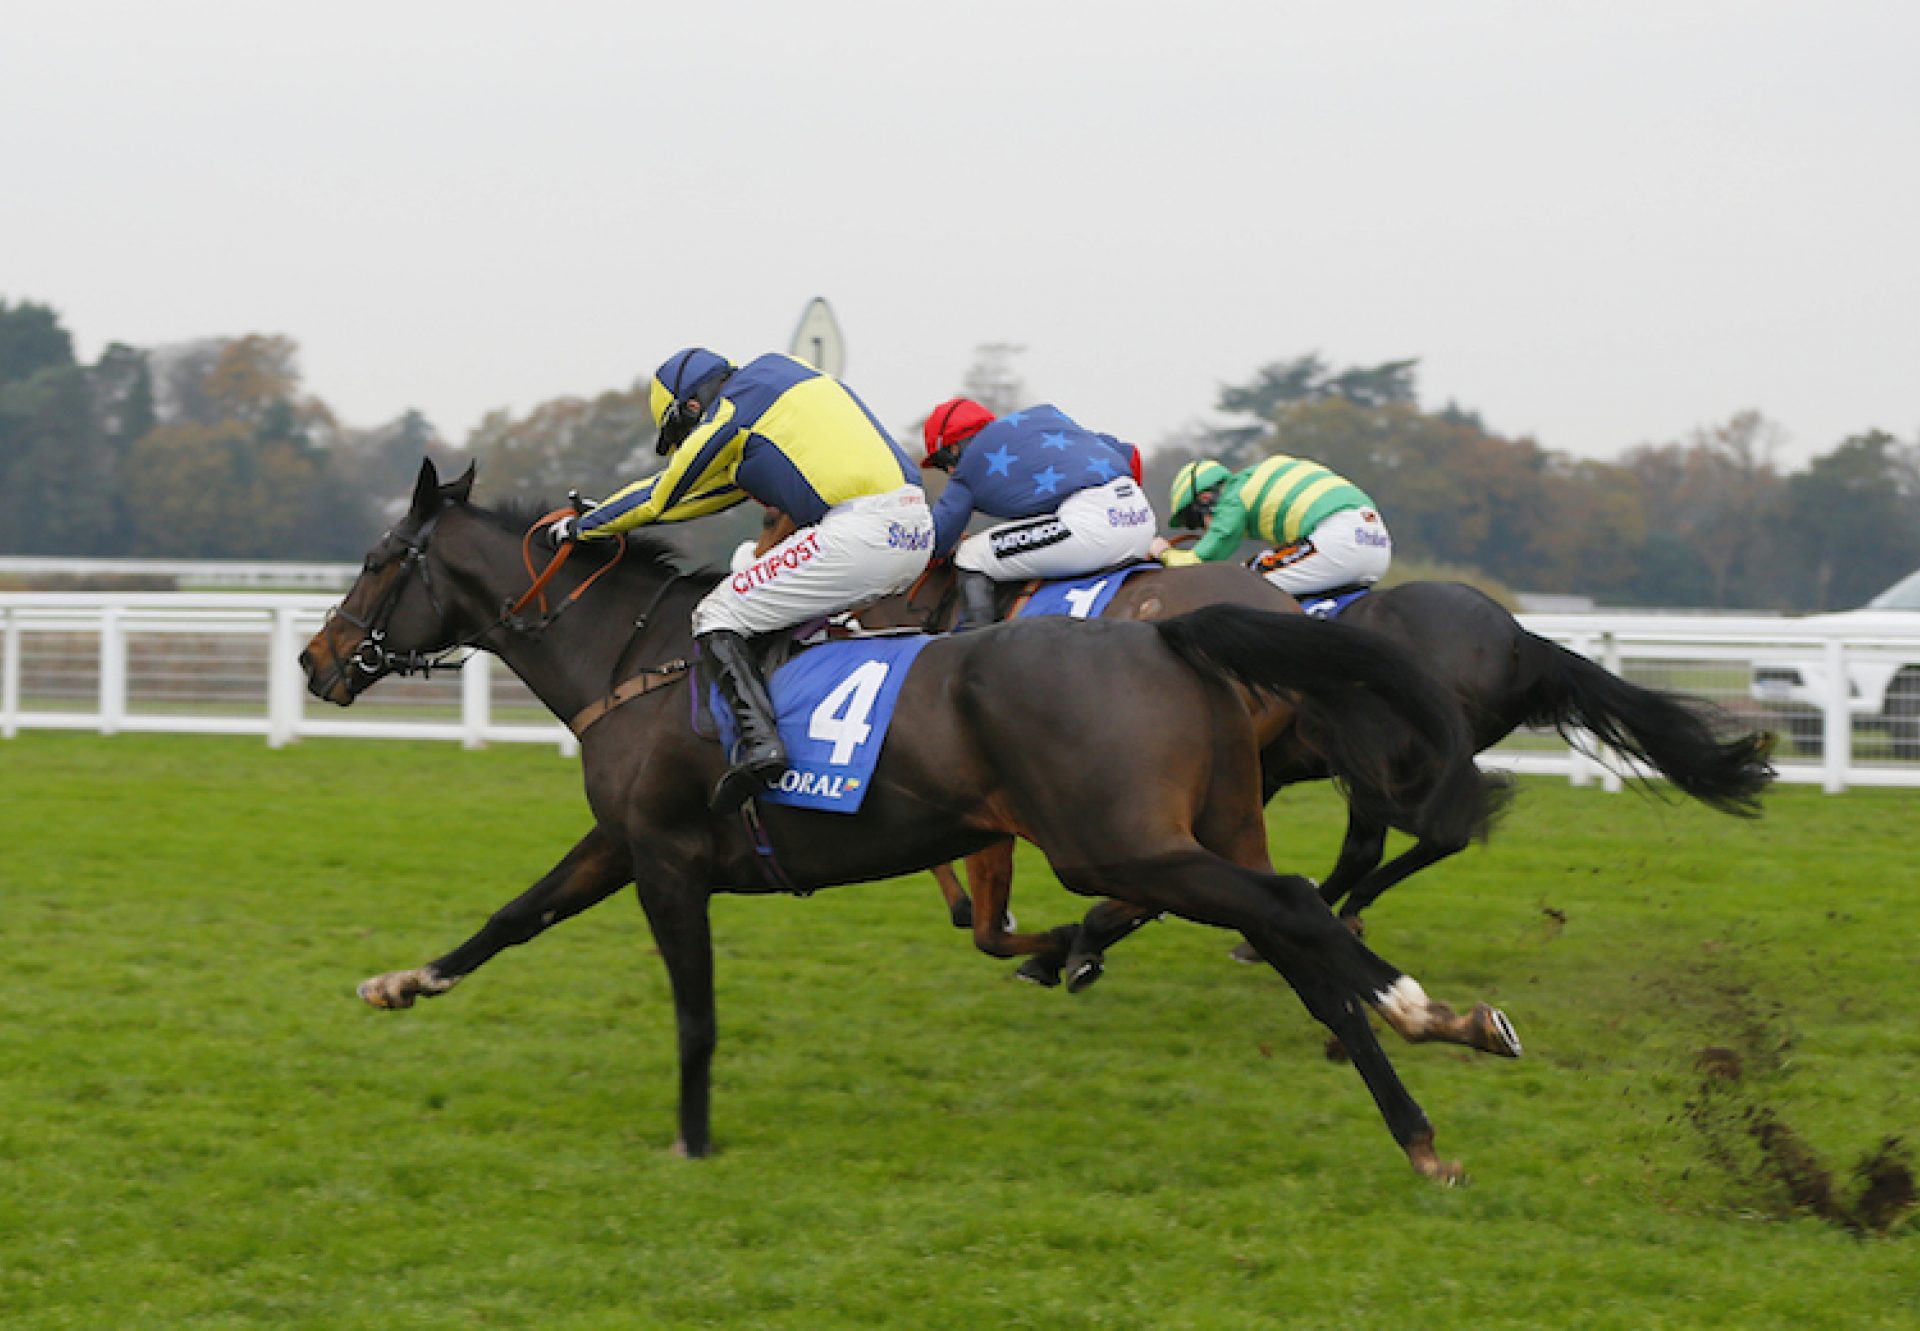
(1504, 678)
(1165, 814)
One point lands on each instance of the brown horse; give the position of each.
(1164, 813)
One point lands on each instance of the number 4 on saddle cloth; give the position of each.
(833, 703)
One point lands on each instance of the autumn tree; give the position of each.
(31, 340)
(1709, 501)
(590, 444)
(1851, 522)
(1280, 385)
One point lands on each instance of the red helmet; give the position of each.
(950, 425)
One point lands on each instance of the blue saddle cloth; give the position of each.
(833, 704)
(1329, 605)
(1079, 598)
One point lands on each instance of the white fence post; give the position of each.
(1610, 780)
(1837, 725)
(10, 676)
(113, 670)
(476, 699)
(283, 680)
(1579, 766)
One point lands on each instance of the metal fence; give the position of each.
(116, 662)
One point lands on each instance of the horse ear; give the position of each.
(457, 492)
(426, 490)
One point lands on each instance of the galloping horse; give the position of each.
(1503, 676)
(1164, 814)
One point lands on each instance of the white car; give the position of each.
(1881, 693)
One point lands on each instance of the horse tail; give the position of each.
(1387, 731)
(1685, 739)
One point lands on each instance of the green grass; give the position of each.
(201, 1127)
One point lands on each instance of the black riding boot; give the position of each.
(977, 594)
(758, 757)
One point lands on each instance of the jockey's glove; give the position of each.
(565, 530)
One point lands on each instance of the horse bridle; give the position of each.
(373, 657)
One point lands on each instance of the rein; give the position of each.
(509, 617)
(374, 658)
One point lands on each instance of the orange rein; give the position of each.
(540, 580)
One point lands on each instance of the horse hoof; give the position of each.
(1085, 974)
(1355, 925)
(385, 991)
(961, 913)
(1035, 971)
(1248, 954)
(1427, 1163)
(1497, 1035)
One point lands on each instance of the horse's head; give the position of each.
(394, 618)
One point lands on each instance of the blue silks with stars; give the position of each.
(833, 704)
(1022, 466)
(1079, 598)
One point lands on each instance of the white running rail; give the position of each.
(209, 663)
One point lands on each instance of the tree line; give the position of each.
(1707, 521)
(213, 449)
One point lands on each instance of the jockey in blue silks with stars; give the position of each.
(1074, 497)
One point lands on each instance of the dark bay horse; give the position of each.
(1005, 732)
(1503, 676)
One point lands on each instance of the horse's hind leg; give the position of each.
(1340, 1014)
(596, 868)
(1327, 966)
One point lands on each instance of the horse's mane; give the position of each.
(646, 550)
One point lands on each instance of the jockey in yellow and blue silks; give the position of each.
(1324, 530)
(799, 441)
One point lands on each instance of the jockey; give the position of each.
(1075, 497)
(1324, 529)
(799, 441)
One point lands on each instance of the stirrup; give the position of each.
(746, 779)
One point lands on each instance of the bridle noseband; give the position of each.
(373, 658)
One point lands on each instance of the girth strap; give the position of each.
(653, 677)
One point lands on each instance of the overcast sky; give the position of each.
(1600, 225)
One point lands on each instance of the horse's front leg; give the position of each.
(1360, 854)
(959, 907)
(1083, 955)
(596, 868)
(1419, 856)
(990, 876)
(677, 910)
